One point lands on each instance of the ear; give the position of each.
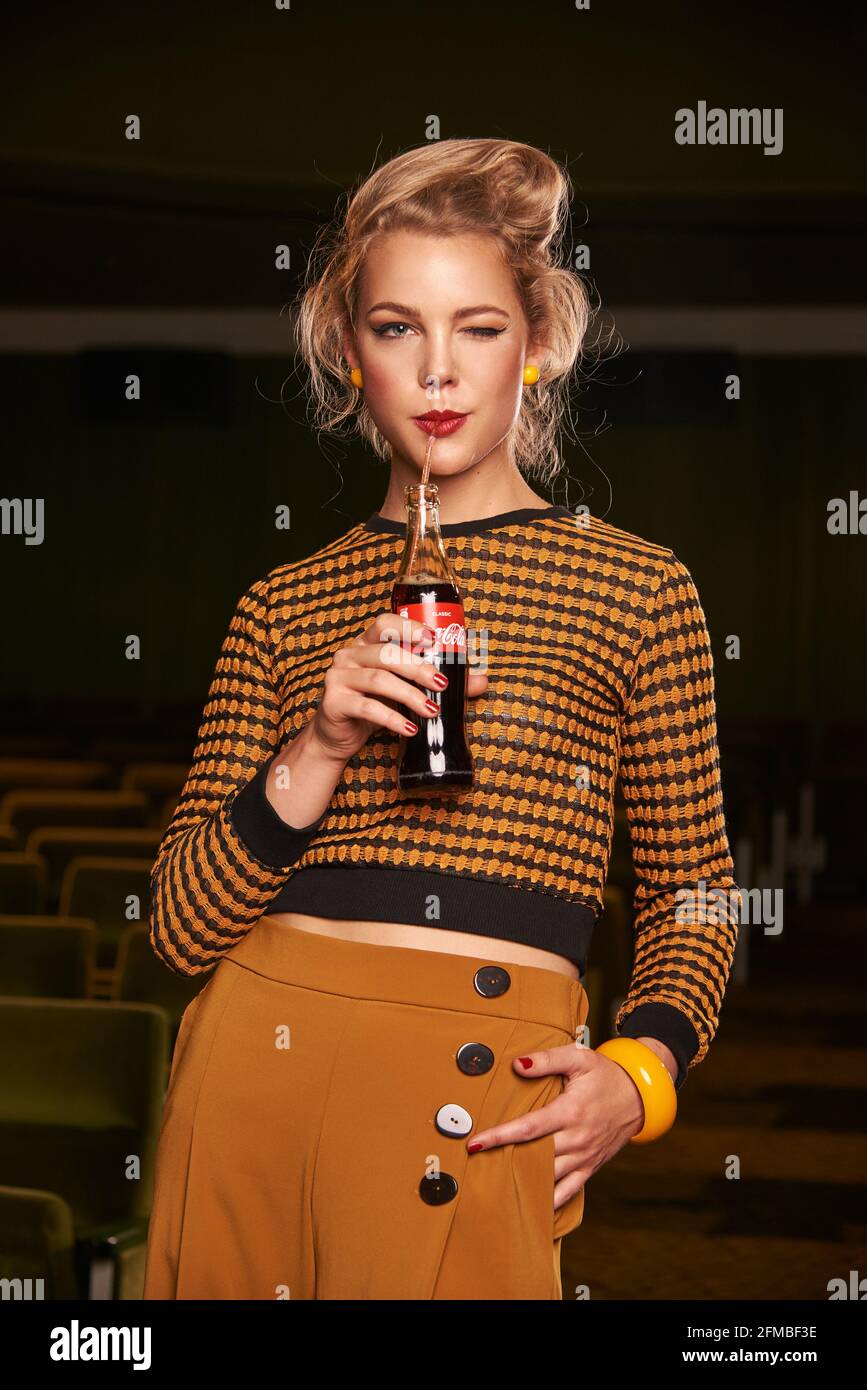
(347, 340)
(536, 353)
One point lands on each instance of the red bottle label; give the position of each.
(446, 619)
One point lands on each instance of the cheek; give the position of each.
(379, 381)
(501, 383)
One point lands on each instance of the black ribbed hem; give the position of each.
(266, 836)
(475, 905)
(670, 1026)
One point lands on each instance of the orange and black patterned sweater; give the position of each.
(599, 665)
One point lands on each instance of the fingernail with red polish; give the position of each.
(526, 1062)
(474, 1148)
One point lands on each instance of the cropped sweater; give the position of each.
(599, 667)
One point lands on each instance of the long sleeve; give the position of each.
(670, 775)
(225, 853)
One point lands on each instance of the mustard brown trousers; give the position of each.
(315, 1128)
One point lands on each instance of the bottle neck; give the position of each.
(424, 556)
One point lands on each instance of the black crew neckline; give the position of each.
(376, 522)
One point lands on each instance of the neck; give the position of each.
(468, 496)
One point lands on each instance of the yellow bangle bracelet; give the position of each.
(654, 1083)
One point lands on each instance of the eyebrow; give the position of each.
(413, 313)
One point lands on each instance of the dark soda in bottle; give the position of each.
(427, 591)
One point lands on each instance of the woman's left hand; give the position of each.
(597, 1112)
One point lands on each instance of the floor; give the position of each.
(783, 1090)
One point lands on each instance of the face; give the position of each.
(440, 327)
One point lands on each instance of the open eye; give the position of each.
(382, 331)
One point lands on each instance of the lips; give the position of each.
(441, 427)
(440, 422)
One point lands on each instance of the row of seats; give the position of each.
(80, 1113)
(108, 890)
(90, 1016)
(67, 774)
(37, 794)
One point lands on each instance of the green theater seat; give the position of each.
(143, 978)
(110, 891)
(58, 845)
(46, 956)
(27, 811)
(79, 1117)
(23, 882)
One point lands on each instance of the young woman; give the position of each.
(386, 1090)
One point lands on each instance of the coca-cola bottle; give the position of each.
(427, 591)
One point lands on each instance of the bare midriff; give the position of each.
(429, 939)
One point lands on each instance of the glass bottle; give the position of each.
(426, 590)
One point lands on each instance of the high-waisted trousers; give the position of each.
(314, 1134)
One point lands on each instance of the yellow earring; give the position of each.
(531, 375)
(356, 378)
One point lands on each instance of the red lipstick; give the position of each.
(440, 422)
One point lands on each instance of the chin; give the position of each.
(446, 470)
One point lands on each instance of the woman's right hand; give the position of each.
(364, 674)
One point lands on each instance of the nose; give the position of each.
(435, 378)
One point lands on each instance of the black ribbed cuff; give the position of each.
(670, 1026)
(265, 834)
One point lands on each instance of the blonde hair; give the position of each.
(509, 191)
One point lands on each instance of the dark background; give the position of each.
(159, 255)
